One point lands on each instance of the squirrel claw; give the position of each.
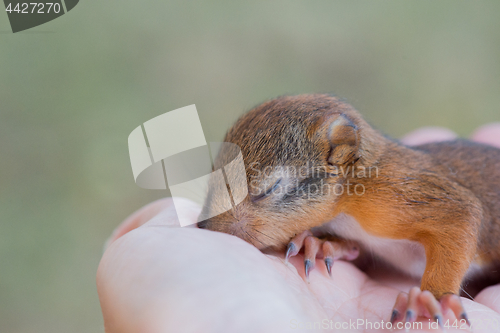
(296, 244)
(412, 303)
(308, 265)
(291, 250)
(328, 264)
(330, 250)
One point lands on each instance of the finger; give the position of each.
(424, 135)
(158, 213)
(169, 216)
(489, 297)
(138, 218)
(488, 134)
(153, 266)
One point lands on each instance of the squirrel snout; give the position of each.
(222, 223)
(202, 224)
(242, 228)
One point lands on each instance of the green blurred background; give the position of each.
(73, 89)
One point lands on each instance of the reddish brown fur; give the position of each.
(445, 196)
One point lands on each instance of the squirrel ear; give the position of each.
(344, 141)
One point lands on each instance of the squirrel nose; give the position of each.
(235, 227)
(202, 224)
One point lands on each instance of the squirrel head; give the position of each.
(299, 152)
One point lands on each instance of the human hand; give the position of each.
(158, 277)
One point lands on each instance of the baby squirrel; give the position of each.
(316, 168)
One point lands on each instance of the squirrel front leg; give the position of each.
(448, 256)
(450, 240)
(450, 247)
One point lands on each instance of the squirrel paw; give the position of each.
(331, 250)
(419, 303)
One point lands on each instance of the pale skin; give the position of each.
(158, 277)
